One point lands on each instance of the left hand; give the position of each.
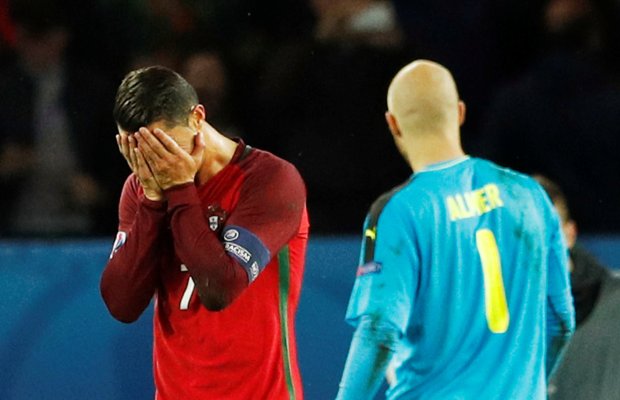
(170, 164)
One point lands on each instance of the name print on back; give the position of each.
(474, 203)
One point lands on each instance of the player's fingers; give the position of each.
(169, 144)
(120, 150)
(146, 150)
(151, 144)
(133, 146)
(121, 141)
(142, 169)
(132, 160)
(123, 148)
(130, 145)
(148, 157)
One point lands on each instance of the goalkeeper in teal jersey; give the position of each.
(463, 287)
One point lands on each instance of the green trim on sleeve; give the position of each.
(284, 267)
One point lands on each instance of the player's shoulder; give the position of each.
(265, 159)
(507, 175)
(263, 167)
(521, 186)
(381, 202)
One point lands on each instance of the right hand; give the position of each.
(127, 146)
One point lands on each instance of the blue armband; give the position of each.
(247, 249)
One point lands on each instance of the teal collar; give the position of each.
(444, 164)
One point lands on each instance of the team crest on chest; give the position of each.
(215, 216)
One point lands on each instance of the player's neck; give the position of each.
(219, 150)
(427, 151)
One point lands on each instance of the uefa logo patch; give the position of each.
(371, 267)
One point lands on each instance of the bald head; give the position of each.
(424, 100)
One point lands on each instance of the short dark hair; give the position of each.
(153, 94)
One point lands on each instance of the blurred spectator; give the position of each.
(7, 34)
(206, 72)
(164, 30)
(56, 133)
(371, 22)
(320, 104)
(561, 118)
(587, 274)
(590, 365)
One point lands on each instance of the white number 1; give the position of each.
(187, 295)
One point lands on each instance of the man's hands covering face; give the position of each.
(158, 161)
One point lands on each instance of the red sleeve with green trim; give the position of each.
(267, 215)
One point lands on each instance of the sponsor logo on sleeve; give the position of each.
(239, 251)
(246, 248)
(371, 267)
(121, 238)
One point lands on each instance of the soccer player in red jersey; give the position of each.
(216, 231)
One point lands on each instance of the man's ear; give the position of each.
(393, 125)
(198, 115)
(462, 111)
(570, 232)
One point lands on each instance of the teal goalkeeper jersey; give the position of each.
(467, 261)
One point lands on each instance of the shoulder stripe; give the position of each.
(370, 233)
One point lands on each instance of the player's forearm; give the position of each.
(130, 278)
(369, 355)
(556, 346)
(560, 328)
(219, 278)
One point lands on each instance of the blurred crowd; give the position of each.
(306, 80)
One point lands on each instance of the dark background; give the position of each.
(307, 81)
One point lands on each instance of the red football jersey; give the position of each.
(245, 232)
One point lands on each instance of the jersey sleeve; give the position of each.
(130, 277)
(387, 278)
(267, 216)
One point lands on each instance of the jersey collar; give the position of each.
(444, 164)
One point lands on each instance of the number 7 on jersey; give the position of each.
(187, 294)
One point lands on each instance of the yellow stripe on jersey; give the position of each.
(495, 303)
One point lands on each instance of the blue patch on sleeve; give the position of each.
(247, 248)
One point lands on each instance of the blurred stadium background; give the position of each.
(305, 80)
